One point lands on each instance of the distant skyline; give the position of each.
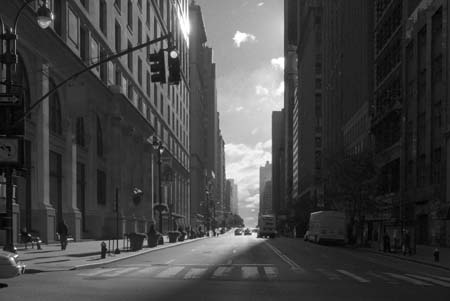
(247, 40)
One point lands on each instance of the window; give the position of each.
(103, 67)
(118, 76)
(139, 4)
(73, 28)
(147, 113)
(130, 91)
(148, 83)
(81, 192)
(139, 31)
(101, 187)
(130, 57)
(80, 133)
(99, 138)
(95, 53)
(85, 4)
(139, 70)
(103, 18)
(55, 184)
(148, 13)
(130, 15)
(55, 111)
(140, 105)
(118, 37)
(84, 51)
(118, 5)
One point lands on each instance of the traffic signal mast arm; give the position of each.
(126, 51)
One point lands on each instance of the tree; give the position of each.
(351, 186)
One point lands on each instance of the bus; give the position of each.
(326, 227)
(267, 226)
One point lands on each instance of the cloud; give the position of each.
(254, 131)
(280, 90)
(241, 37)
(260, 90)
(243, 163)
(278, 63)
(260, 3)
(240, 108)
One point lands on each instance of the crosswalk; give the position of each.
(262, 273)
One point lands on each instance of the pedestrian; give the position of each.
(63, 231)
(407, 243)
(386, 242)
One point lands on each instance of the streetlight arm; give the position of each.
(38, 102)
(19, 12)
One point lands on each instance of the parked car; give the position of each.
(10, 266)
(238, 231)
(247, 232)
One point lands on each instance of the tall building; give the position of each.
(265, 176)
(234, 202)
(423, 206)
(207, 146)
(87, 145)
(278, 164)
(266, 206)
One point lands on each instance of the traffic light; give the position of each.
(174, 68)
(158, 66)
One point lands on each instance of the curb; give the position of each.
(165, 246)
(404, 258)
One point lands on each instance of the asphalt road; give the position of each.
(241, 268)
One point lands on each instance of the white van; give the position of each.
(326, 226)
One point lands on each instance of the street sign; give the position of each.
(11, 151)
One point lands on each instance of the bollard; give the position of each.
(436, 255)
(103, 249)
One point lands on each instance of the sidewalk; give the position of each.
(80, 255)
(423, 255)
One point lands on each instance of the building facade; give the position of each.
(87, 145)
(265, 176)
(278, 165)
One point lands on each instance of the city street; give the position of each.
(232, 267)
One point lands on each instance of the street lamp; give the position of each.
(159, 148)
(9, 99)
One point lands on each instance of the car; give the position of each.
(238, 231)
(10, 266)
(247, 232)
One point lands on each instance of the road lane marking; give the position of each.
(445, 284)
(169, 272)
(294, 266)
(439, 277)
(356, 277)
(271, 272)
(222, 272)
(249, 272)
(330, 275)
(408, 279)
(118, 272)
(195, 273)
(170, 261)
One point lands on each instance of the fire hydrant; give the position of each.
(103, 249)
(436, 255)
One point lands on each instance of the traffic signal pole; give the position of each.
(75, 75)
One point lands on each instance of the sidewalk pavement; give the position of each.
(79, 255)
(424, 255)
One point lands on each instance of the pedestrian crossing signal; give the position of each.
(158, 66)
(174, 68)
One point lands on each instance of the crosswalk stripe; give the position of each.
(271, 272)
(96, 272)
(170, 272)
(222, 272)
(408, 279)
(392, 281)
(445, 284)
(118, 272)
(330, 275)
(250, 272)
(195, 273)
(147, 270)
(356, 277)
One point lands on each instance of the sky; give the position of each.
(247, 41)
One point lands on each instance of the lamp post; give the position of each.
(159, 148)
(11, 100)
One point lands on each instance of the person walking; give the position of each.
(63, 231)
(407, 243)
